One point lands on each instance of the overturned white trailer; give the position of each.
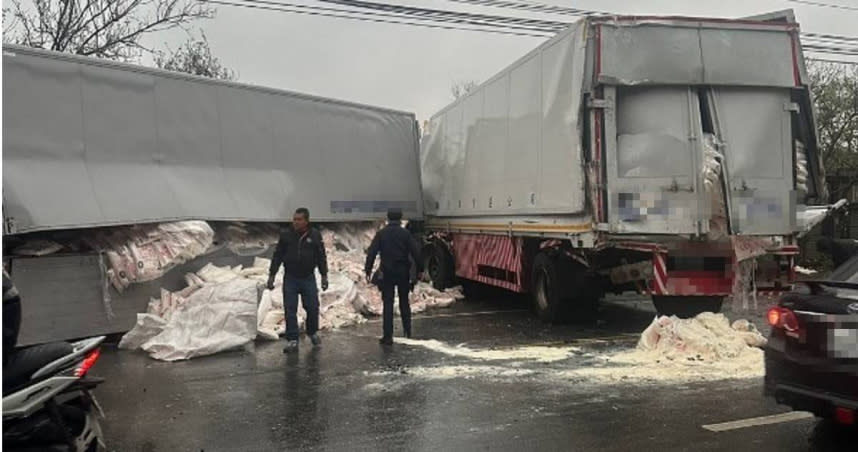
(89, 143)
(629, 153)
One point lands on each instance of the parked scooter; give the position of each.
(47, 400)
(48, 403)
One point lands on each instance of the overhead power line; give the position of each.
(428, 12)
(831, 50)
(533, 7)
(368, 11)
(824, 5)
(831, 37)
(827, 60)
(358, 16)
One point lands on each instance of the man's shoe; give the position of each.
(408, 334)
(316, 340)
(291, 346)
(386, 341)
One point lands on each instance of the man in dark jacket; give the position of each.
(300, 250)
(396, 246)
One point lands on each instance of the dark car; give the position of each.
(812, 354)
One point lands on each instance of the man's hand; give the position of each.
(368, 278)
(270, 284)
(324, 283)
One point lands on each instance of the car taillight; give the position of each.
(784, 319)
(774, 316)
(844, 416)
(87, 363)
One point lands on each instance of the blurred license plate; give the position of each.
(843, 343)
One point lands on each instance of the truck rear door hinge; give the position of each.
(791, 106)
(10, 225)
(597, 103)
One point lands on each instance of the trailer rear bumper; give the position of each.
(706, 270)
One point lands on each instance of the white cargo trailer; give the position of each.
(89, 143)
(628, 153)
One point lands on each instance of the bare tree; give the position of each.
(460, 89)
(835, 92)
(195, 57)
(110, 29)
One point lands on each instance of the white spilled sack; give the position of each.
(215, 318)
(337, 304)
(146, 252)
(270, 320)
(708, 337)
(147, 327)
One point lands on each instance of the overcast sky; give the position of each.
(412, 68)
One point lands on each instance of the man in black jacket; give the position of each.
(300, 250)
(395, 245)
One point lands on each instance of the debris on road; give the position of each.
(706, 347)
(349, 299)
(215, 318)
(183, 324)
(707, 337)
(534, 353)
(703, 348)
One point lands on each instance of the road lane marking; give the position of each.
(758, 421)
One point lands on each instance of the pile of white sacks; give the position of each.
(218, 309)
(706, 337)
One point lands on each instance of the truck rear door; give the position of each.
(754, 125)
(652, 177)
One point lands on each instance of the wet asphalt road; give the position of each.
(352, 394)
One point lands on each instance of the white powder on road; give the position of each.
(609, 369)
(704, 348)
(650, 366)
(466, 371)
(535, 353)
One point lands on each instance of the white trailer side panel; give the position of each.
(512, 146)
(92, 143)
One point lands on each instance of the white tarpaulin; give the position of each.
(215, 318)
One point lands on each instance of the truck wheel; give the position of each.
(582, 292)
(546, 290)
(439, 266)
(474, 290)
(686, 306)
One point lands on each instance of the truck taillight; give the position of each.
(783, 318)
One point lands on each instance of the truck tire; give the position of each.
(686, 306)
(474, 290)
(581, 291)
(547, 296)
(439, 267)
